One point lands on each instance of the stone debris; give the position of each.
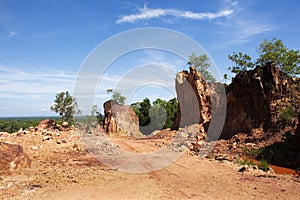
(13, 158)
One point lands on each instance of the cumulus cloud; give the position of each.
(146, 13)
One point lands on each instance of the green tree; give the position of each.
(144, 117)
(275, 51)
(161, 115)
(225, 76)
(241, 62)
(94, 110)
(202, 63)
(117, 97)
(170, 108)
(65, 105)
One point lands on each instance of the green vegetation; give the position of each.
(159, 115)
(117, 98)
(264, 165)
(287, 115)
(242, 62)
(202, 63)
(268, 51)
(247, 161)
(66, 106)
(12, 125)
(275, 51)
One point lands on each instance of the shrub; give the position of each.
(287, 115)
(264, 165)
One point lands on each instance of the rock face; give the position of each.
(120, 120)
(12, 158)
(258, 98)
(46, 123)
(298, 130)
(193, 97)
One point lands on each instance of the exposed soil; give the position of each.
(61, 168)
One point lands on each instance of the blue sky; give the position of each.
(44, 43)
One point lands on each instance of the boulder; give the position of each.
(46, 123)
(120, 120)
(65, 124)
(12, 158)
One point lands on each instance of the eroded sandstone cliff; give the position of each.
(261, 98)
(193, 95)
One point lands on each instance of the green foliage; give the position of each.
(253, 152)
(281, 153)
(109, 91)
(170, 108)
(66, 106)
(287, 114)
(268, 51)
(142, 111)
(117, 98)
(202, 63)
(160, 114)
(225, 76)
(241, 62)
(12, 125)
(264, 165)
(247, 161)
(275, 51)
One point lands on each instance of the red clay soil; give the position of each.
(277, 169)
(283, 170)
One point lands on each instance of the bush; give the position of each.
(287, 114)
(264, 165)
(247, 161)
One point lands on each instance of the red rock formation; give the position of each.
(193, 99)
(12, 158)
(46, 123)
(257, 98)
(120, 120)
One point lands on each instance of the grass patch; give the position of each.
(247, 161)
(264, 165)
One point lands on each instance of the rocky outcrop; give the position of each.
(120, 120)
(194, 103)
(259, 98)
(46, 123)
(12, 158)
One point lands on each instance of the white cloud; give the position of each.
(146, 13)
(15, 82)
(240, 28)
(11, 34)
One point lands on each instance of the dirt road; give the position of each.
(66, 171)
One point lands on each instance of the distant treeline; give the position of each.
(14, 124)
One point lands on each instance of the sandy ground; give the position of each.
(66, 171)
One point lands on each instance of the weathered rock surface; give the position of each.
(258, 98)
(46, 123)
(12, 158)
(120, 120)
(194, 103)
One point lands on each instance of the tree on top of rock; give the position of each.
(275, 51)
(202, 63)
(65, 105)
(241, 62)
(116, 97)
(268, 51)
